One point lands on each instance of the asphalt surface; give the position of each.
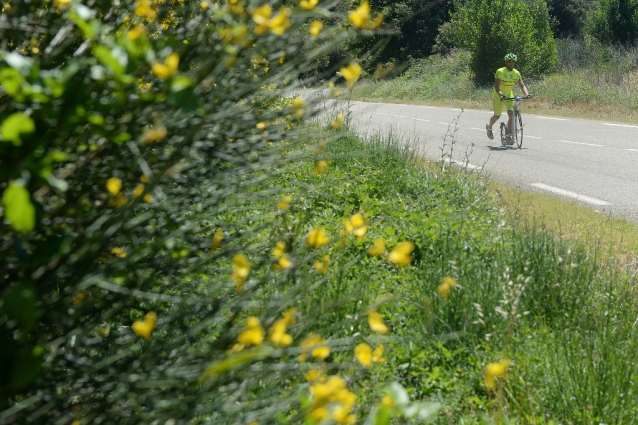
(594, 163)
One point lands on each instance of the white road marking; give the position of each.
(419, 119)
(633, 150)
(533, 137)
(456, 109)
(479, 129)
(620, 125)
(569, 194)
(464, 164)
(379, 113)
(580, 143)
(447, 123)
(552, 118)
(399, 116)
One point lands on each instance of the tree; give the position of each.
(614, 21)
(491, 28)
(568, 17)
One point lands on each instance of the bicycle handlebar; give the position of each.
(517, 98)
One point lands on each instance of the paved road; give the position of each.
(592, 162)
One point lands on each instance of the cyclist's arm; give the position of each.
(523, 87)
(497, 86)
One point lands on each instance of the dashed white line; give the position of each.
(447, 123)
(620, 125)
(573, 195)
(580, 143)
(456, 109)
(552, 118)
(533, 137)
(633, 150)
(419, 119)
(464, 164)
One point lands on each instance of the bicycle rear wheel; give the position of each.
(503, 134)
(518, 129)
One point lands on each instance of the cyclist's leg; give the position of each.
(498, 109)
(510, 118)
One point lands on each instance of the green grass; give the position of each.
(563, 317)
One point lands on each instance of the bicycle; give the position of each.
(517, 124)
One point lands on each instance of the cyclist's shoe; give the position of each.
(509, 140)
(489, 132)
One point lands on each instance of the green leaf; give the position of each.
(19, 305)
(18, 208)
(11, 80)
(15, 125)
(108, 59)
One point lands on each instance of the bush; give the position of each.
(614, 22)
(491, 28)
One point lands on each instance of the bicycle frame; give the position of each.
(517, 124)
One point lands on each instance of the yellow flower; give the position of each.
(445, 288)
(321, 167)
(79, 298)
(313, 375)
(138, 191)
(317, 238)
(360, 16)
(254, 333)
(319, 414)
(376, 323)
(321, 147)
(378, 248)
(289, 316)
(203, 5)
(279, 250)
(118, 252)
(284, 203)
(261, 125)
(145, 327)
(308, 4)
(218, 237)
(278, 24)
(154, 134)
(315, 28)
(284, 262)
(400, 254)
(168, 68)
(315, 345)
(388, 401)
(336, 124)
(136, 32)
(148, 198)
(114, 185)
(241, 268)
(363, 353)
(357, 220)
(278, 333)
(322, 266)
(118, 200)
(143, 8)
(495, 370)
(351, 73)
(62, 3)
(144, 178)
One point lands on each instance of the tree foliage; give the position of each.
(491, 28)
(614, 22)
(568, 17)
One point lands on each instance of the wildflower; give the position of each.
(336, 124)
(114, 185)
(136, 32)
(138, 191)
(315, 345)
(62, 3)
(495, 370)
(284, 202)
(203, 5)
(315, 28)
(313, 375)
(148, 198)
(145, 327)
(317, 238)
(144, 178)
(378, 248)
(361, 15)
(363, 353)
(321, 167)
(388, 401)
(79, 298)
(333, 391)
(322, 266)
(118, 200)
(277, 24)
(321, 147)
(261, 125)
(155, 134)
(278, 333)
(400, 254)
(218, 237)
(351, 73)
(143, 9)
(289, 316)
(241, 268)
(118, 252)
(254, 333)
(308, 4)
(376, 323)
(168, 68)
(445, 288)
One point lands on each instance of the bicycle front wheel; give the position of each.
(503, 134)
(518, 129)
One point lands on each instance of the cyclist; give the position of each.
(504, 80)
